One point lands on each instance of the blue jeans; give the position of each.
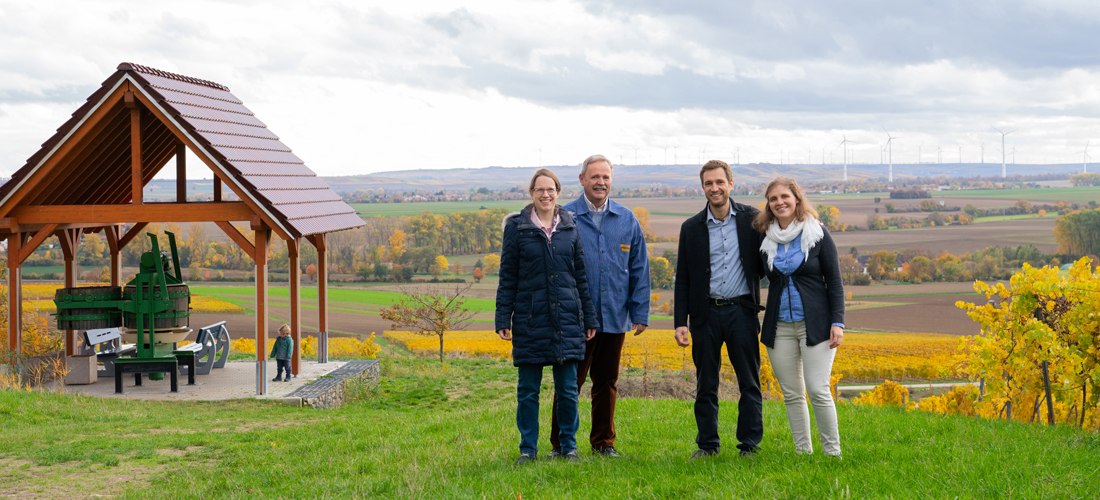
(527, 407)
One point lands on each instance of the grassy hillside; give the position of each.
(428, 432)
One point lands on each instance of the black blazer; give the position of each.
(693, 264)
(818, 283)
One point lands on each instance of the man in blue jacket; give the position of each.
(617, 267)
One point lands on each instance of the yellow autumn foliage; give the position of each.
(888, 393)
(863, 356)
(338, 347)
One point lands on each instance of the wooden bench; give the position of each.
(185, 358)
(220, 334)
(106, 344)
(137, 366)
(211, 348)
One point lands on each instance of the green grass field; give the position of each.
(1053, 194)
(429, 432)
(348, 300)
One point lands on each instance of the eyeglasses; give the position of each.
(546, 190)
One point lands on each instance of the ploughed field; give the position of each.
(667, 214)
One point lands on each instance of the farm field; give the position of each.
(667, 214)
(863, 357)
(920, 308)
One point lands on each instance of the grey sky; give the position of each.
(374, 86)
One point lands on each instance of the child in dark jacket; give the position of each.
(282, 351)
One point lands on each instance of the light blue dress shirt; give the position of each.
(727, 277)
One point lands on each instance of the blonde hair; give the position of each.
(284, 330)
(804, 208)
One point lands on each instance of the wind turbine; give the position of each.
(845, 144)
(1085, 159)
(890, 154)
(1004, 170)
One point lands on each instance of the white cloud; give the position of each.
(356, 87)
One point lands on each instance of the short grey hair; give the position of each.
(593, 159)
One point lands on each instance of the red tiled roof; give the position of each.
(225, 132)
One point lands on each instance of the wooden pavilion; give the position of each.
(90, 175)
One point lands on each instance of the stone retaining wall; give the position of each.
(329, 390)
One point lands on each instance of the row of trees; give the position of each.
(919, 266)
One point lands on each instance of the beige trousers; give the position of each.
(800, 370)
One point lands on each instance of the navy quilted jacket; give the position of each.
(543, 292)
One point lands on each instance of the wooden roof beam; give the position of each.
(148, 212)
(241, 240)
(136, 184)
(29, 247)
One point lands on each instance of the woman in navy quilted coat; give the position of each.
(544, 309)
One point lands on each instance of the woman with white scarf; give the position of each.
(804, 320)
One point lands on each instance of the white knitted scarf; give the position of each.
(811, 232)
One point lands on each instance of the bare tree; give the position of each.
(427, 312)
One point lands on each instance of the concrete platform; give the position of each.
(237, 380)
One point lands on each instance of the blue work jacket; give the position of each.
(617, 265)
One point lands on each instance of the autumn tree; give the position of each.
(830, 216)
(851, 272)
(478, 274)
(1078, 233)
(438, 266)
(661, 273)
(919, 269)
(426, 312)
(397, 245)
(882, 264)
(642, 214)
(93, 250)
(492, 263)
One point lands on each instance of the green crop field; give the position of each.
(1052, 195)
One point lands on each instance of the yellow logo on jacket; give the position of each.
(625, 247)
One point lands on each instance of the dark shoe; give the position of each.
(570, 456)
(286, 379)
(525, 458)
(554, 453)
(701, 453)
(276, 379)
(607, 451)
(749, 453)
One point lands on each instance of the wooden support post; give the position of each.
(318, 241)
(70, 246)
(217, 188)
(15, 299)
(292, 247)
(260, 257)
(114, 236)
(181, 173)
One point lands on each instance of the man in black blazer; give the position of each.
(718, 272)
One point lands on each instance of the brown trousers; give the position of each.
(601, 360)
